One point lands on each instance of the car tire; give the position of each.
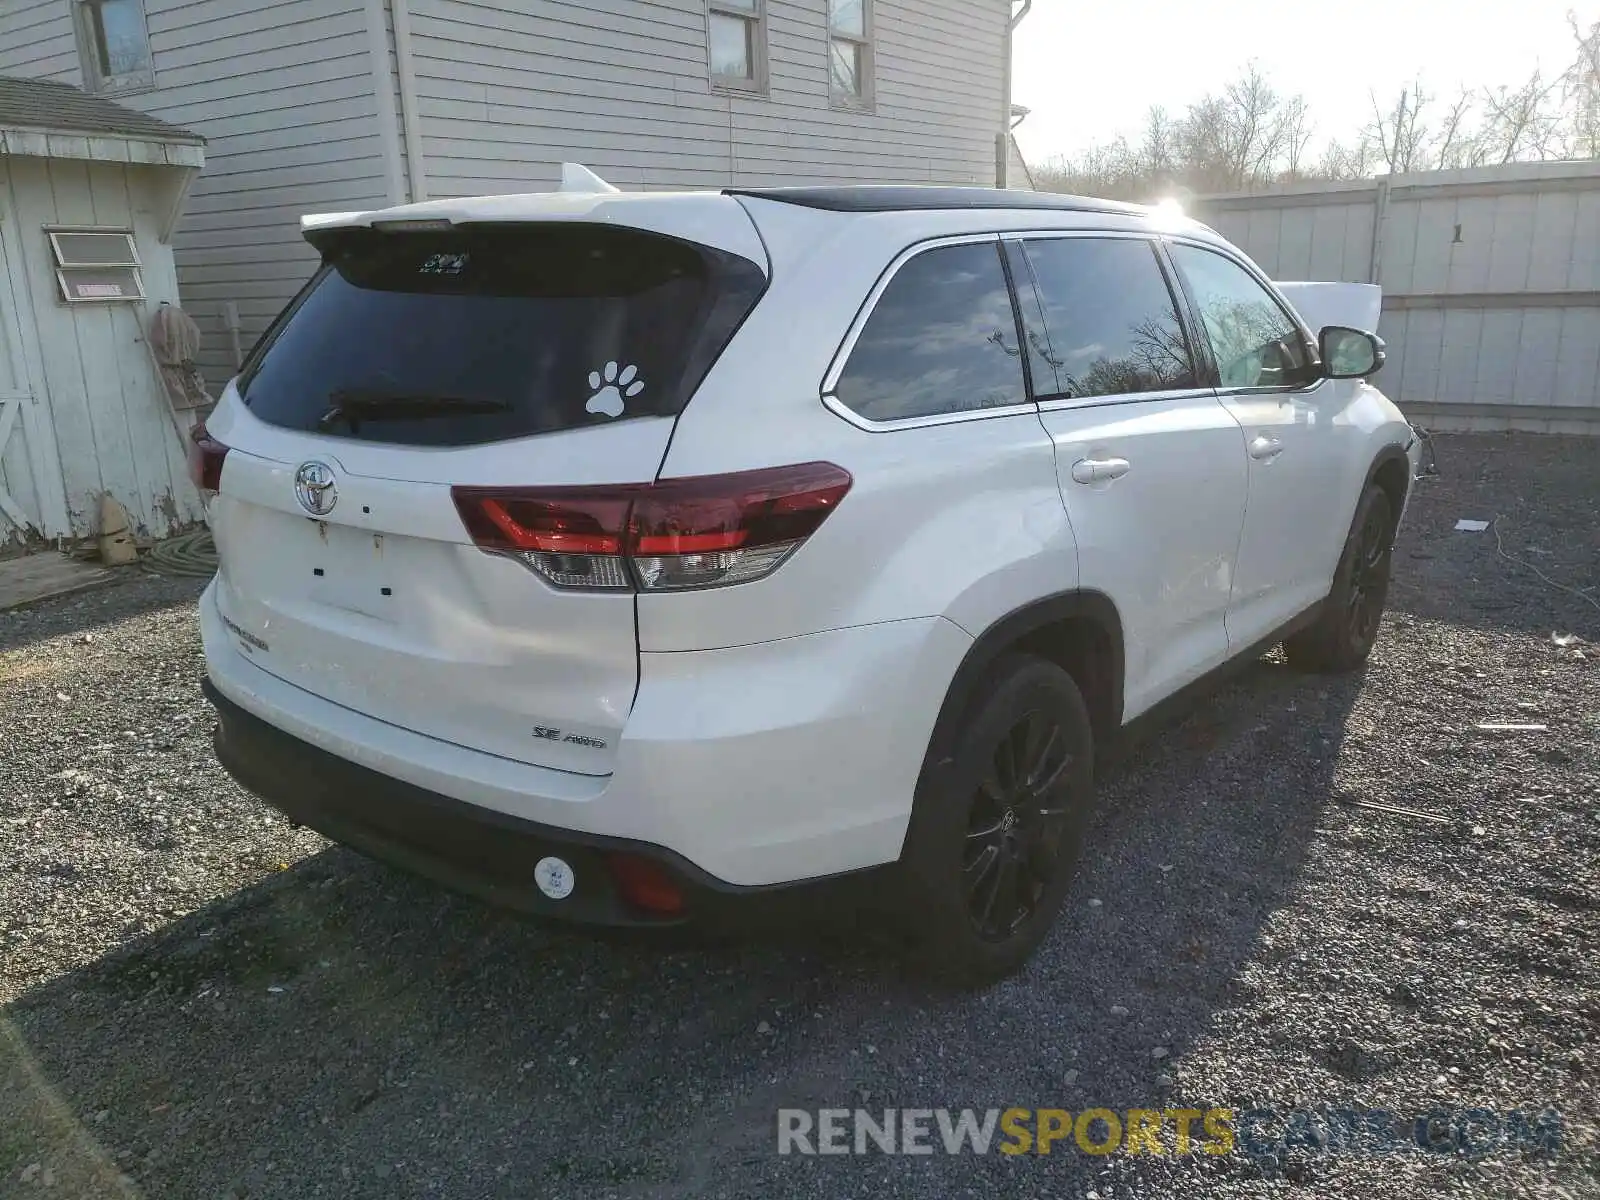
(1347, 627)
(998, 825)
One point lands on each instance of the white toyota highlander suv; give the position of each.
(615, 557)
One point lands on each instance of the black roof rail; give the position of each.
(864, 198)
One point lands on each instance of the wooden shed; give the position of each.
(90, 192)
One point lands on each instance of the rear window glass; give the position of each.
(485, 333)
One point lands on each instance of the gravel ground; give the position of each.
(201, 1001)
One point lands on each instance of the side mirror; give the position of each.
(1350, 353)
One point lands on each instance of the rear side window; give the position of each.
(1111, 325)
(485, 333)
(941, 339)
(1254, 342)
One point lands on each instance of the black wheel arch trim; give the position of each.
(1394, 452)
(1013, 628)
(985, 651)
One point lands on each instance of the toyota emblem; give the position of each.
(314, 488)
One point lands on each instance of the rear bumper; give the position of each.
(743, 768)
(466, 847)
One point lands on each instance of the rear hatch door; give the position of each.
(421, 359)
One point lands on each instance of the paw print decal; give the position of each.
(613, 388)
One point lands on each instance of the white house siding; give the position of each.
(1491, 281)
(283, 94)
(30, 471)
(97, 420)
(36, 41)
(288, 97)
(508, 89)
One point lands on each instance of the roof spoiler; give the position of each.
(577, 178)
(311, 222)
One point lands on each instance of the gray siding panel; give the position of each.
(508, 90)
(1497, 352)
(1585, 255)
(283, 95)
(1458, 358)
(1419, 344)
(37, 41)
(1578, 358)
(1511, 243)
(1469, 258)
(1555, 226)
(1535, 378)
(1326, 253)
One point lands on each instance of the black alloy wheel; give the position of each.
(1346, 627)
(999, 822)
(1369, 576)
(1015, 827)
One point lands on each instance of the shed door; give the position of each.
(19, 507)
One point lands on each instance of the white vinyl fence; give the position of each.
(1490, 276)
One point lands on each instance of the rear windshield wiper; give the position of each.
(353, 405)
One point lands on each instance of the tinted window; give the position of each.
(1254, 342)
(488, 333)
(1110, 324)
(941, 339)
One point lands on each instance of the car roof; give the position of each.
(729, 220)
(862, 198)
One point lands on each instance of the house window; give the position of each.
(737, 38)
(96, 265)
(850, 52)
(114, 45)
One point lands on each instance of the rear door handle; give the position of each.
(1100, 470)
(1265, 448)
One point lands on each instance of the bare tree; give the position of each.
(1297, 130)
(1158, 152)
(1521, 124)
(1249, 136)
(1458, 144)
(1580, 91)
(1253, 126)
(1232, 141)
(1203, 144)
(1401, 133)
(1341, 161)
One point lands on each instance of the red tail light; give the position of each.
(646, 884)
(705, 531)
(205, 459)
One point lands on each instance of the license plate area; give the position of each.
(352, 570)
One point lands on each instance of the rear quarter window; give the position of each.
(486, 333)
(941, 339)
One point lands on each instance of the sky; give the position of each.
(1090, 72)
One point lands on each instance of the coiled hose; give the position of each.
(187, 556)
